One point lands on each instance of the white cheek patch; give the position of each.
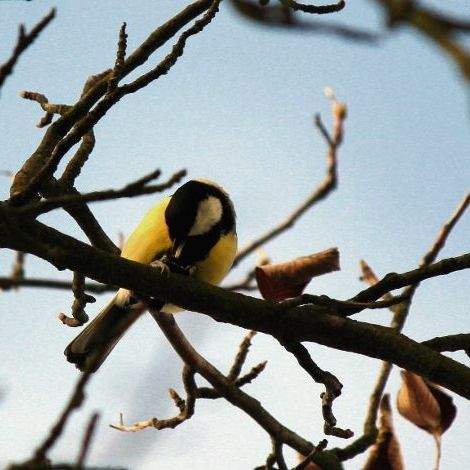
(209, 213)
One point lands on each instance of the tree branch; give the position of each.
(225, 387)
(400, 313)
(23, 42)
(304, 323)
(450, 343)
(31, 175)
(323, 189)
(394, 281)
(317, 10)
(136, 188)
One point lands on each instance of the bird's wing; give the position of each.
(150, 239)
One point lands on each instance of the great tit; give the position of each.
(192, 231)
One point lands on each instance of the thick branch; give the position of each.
(304, 323)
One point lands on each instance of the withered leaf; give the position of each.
(427, 406)
(385, 454)
(281, 281)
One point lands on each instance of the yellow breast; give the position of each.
(215, 267)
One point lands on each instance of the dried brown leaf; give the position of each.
(427, 406)
(281, 281)
(385, 454)
(446, 404)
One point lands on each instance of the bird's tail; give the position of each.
(91, 347)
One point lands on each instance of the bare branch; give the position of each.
(23, 42)
(332, 386)
(439, 28)
(17, 271)
(177, 51)
(450, 343)
(317, 10)
(342, 307)
(82, 215)
(111, 98)
(49, 108)
(186, 408)
(136, 188)
(233, 394)
(319, 448)
(75, 402)
(394, 281)
(120, 57)
(79, 316)
(87, 438)
(193, 392)
(241, 356)
(31, 175)
(281, 17)
(75, 165)
(304, 323)
(323, 189)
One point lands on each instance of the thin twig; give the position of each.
(120, 57)
(317, 10)
(343, 307)
(136, 188)
(328, 184)
(74, 402)
(394, 281)
(332, 386)
(321, 446)
(79, 316)
(7, 283)
(86, 442)
(186, 408)
(241, 356)
(23, 42)
(17, 271)
(31, 176)
(76, 163)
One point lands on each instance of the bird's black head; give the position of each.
(198, 214)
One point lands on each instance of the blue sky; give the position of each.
(237, 108)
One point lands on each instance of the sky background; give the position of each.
(237, 108)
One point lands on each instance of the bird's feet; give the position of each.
(161, 267)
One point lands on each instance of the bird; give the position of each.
(192, 232)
